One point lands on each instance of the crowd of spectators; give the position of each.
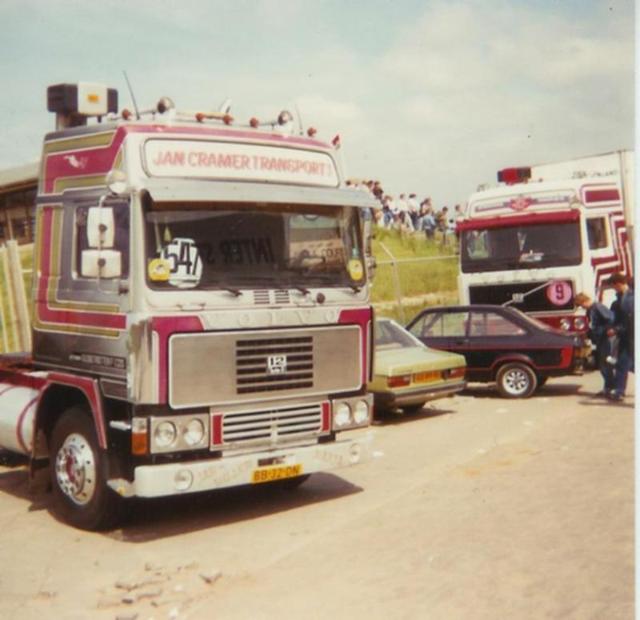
(407, 214)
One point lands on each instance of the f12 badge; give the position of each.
(276, 364)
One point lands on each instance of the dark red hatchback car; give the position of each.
(502, 344)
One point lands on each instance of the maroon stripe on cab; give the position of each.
(571, 215)
(601, 195)
(216, 429)
(165, 327)
(326, 416)
(362, 318)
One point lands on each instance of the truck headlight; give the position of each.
(579, 323)
(565, 324)
(193, 432)
(342, 415)
(165, 434)
(361, 412)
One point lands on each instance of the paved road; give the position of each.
(478, 507)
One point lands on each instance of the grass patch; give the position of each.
(433, 269)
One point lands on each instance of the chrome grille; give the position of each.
(256, 371)
(273, 426)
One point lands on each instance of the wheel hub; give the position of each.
(516, 381)
(76, 469)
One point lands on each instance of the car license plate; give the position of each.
(426, 377)
(276, 472)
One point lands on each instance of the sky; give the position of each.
(429, 97)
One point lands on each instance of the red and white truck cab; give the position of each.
(201, 313)
(546, 233)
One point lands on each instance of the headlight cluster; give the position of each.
(576, 323)
(179, 433)
(351, 414)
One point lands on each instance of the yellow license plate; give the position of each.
(276, 472)
(426, 377)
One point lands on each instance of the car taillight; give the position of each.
(454, 373)
(399, 381)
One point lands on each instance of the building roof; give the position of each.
(26, 174)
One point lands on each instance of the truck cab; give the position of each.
(201, 314)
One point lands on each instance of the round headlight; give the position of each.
(565, 324)
(342, 415)
(164, 434)
(579, 323)
(193, 432)
(361, 412)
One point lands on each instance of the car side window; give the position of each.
(442, 325)
(492, 324)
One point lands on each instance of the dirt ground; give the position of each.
(478, 507)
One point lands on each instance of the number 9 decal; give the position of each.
(559, 293)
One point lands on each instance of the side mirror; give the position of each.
(101, 228)
(101, 264)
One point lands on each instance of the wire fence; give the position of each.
(404, 285)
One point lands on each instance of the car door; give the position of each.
(492, 336)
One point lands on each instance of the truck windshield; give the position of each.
(210, 246)
(530, 246)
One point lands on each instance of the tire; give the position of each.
(516, 380)
(412, 409)
(81, 496)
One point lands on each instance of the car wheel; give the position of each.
(81, 496)
(516, 380)
(410, 409)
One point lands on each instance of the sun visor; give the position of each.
(203, 191)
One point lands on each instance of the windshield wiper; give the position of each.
(236, 292)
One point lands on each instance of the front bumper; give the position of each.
(231, 471)
(415, 396)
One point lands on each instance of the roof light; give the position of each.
(227, 119)
(126, 114)
(200, 117)
(165, 104)
(511, 176)
(284, 117)
(254, 122)
(312, 131)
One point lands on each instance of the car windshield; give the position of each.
(390, 335)
(529, 246)
(211, 245)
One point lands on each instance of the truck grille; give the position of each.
(274, 364)
(272, 425)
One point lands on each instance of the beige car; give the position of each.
(407, 373)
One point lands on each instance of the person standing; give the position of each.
(600, 320)
(623, 328)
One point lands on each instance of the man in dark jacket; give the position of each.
(623, 311)
(600, 321)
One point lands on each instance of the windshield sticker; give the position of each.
(185, 265)
(559, 293)
(159, 270)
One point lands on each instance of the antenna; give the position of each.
(300, 126)
(133, 97)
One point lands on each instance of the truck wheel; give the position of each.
(516, 380)
(81, 496)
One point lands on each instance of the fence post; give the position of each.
(396, 281)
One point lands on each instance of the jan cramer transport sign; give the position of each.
(239, 162)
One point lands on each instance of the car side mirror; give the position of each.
(101, 229)
(101, 263)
